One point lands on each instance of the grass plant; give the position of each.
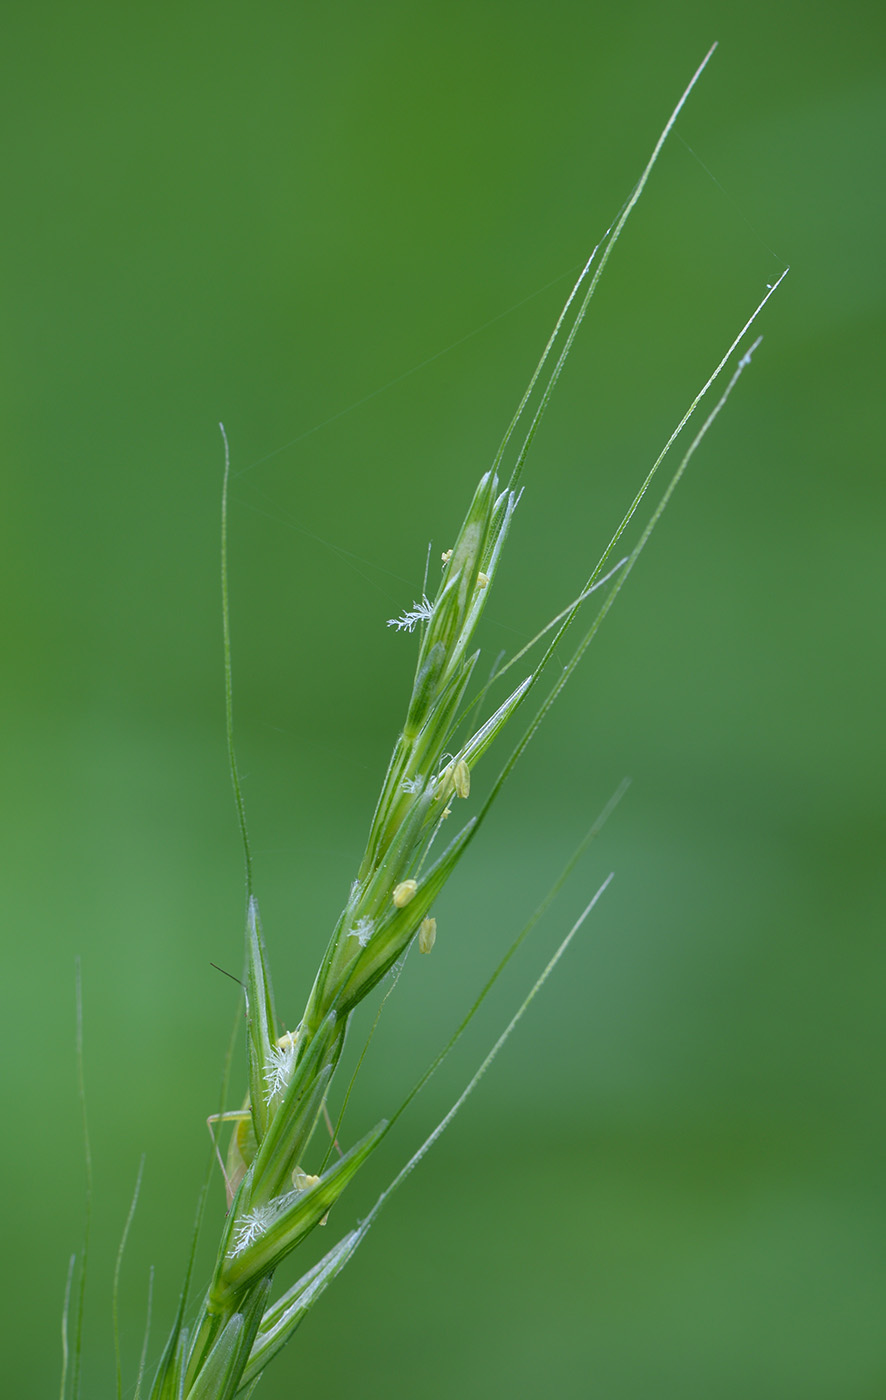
(283, 1181)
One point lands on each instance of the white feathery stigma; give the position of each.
(363, 930)
(252, 1226)
(278, 1067)
(419, 612)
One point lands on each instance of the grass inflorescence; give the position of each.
(420, 829)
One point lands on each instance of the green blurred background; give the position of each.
(346, 230)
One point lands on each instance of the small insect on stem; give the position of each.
(331, 1130)
(242, 1147)
(239, 1148)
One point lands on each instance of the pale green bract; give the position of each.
(275, 1202)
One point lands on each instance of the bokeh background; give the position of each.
(346, 231)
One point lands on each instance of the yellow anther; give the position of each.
(461, 778)
(447, 812)
(303, 1181)
(482, 580)
(404, 892)
(426, 935)
(446, 556)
